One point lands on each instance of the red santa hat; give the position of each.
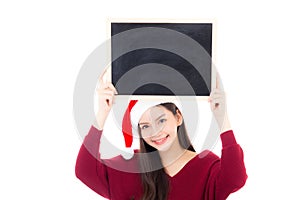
(133, 113)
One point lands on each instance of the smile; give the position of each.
(160, 141)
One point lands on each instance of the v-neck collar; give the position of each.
(184, 168)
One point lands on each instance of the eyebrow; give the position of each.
(155, 119)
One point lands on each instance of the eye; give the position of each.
(144, 127)
(162, 120)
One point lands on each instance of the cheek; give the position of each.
(170, 128)
(147, 140)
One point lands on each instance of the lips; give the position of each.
(160, 141)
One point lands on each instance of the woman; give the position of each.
(170, 167)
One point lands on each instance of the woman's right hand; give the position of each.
(106, 93)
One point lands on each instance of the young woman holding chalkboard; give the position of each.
(163, 137)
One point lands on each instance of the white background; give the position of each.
(44, 43)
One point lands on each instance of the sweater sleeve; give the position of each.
(89, 168)
(230, 172)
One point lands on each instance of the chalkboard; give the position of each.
(167, 72)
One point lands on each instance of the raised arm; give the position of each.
(229, 173)
(89, 168)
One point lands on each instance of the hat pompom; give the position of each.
(128, 153)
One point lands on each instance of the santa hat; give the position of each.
(133, 113)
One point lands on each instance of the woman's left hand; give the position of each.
(218, 106)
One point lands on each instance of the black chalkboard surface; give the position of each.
(162, 58)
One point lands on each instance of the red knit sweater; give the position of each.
(206, 176)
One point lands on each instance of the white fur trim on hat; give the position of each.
(143, 105)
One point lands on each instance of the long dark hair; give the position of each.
(155, 182)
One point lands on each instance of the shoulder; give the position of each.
(206, 159)
(201, 166)
(118, 163)
(207, 154)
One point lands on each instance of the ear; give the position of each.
(179, 117)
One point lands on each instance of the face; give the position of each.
(159, 127)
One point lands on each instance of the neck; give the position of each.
(172, 154)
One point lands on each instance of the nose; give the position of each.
(157, 130)
(152, 131)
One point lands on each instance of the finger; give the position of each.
(113, 100)
(102, 75)
(108, 86)
(111, 86)
(106, 92)
(217, 80)
(105, 96)
(213, 98)
(103, 85)
(216, 90)
(109, 92)
(217, 96)
(217, 99)
(219, 85)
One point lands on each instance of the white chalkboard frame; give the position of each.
(160, 20)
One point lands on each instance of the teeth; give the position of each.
(160, 140)
(157, 140)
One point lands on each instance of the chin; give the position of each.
(164, 147)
